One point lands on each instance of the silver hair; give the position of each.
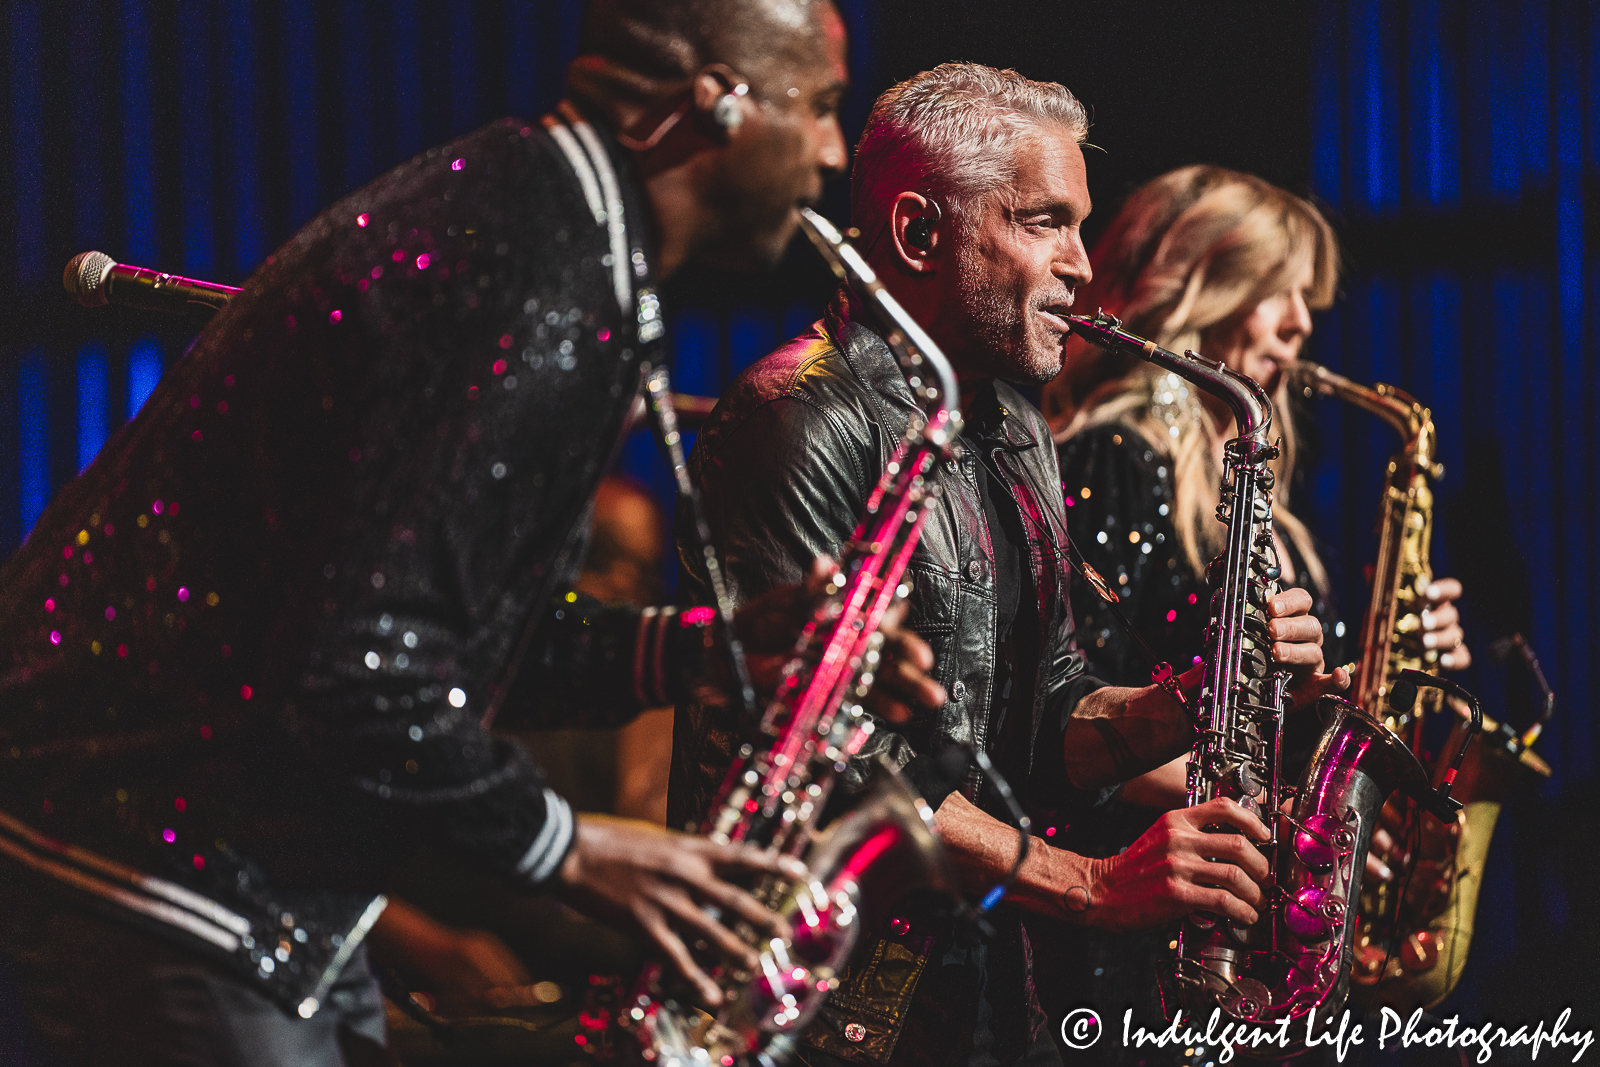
(951, 133)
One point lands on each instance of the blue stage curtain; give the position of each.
(1456, 142)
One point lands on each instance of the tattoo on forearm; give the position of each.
(1123, 761)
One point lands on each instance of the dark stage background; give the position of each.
(1454, 142)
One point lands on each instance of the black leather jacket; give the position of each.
(252, 649)
(786, 463)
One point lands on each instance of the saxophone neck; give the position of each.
(1251, 408)
(1395, 406)
(928, 372)
(1389, 641)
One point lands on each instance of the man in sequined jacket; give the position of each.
(968, 192)
(249, 656)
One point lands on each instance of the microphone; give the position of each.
(1403, 695)
(1500, 648)
(1503, 650)
(1438, 801)
(94, 279)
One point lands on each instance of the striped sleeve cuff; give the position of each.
(670, 652)
(649, 668)
(543, 858)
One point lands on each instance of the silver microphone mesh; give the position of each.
(85, 277)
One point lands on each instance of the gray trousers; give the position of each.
(80, 989)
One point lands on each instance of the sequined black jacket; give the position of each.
(1119, 494)
(252, 649)
(786, 463)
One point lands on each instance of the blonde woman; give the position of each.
(1231, 266)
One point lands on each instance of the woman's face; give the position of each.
(1261, 341)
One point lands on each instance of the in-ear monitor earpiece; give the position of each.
(919, 231)
(726, 111)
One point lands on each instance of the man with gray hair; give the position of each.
(969, 193)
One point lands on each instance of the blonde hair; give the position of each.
(1188, 250)
(951, 133)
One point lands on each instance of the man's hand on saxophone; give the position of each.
(669, 886)
(675, 889)
(1174, 869)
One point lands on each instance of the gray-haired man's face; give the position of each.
(1017, 263)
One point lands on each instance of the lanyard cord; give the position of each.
(584, 151)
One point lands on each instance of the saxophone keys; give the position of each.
(1317, 842)
(1313, 914)
(1245, 998)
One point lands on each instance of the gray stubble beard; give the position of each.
(1011, 347)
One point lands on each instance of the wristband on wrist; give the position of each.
(671, 652)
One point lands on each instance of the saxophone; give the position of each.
(774, 794)
(1296, 959)
(1410, 953)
